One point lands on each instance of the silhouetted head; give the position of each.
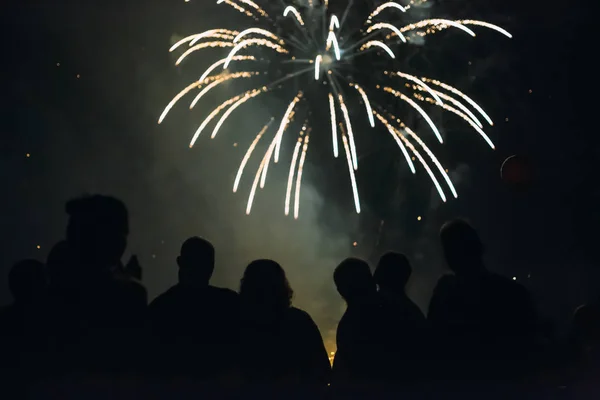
(393, 272)
(462, 247)
(354, 280)
(196, 262)
(586, 324)
(61, 264)
(97, 230)
(27, 281)
(265, 286)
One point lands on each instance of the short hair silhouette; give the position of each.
(196, 261)
(393, 272)
(27, 281)
(97, 229)
(462, 247)
(353, 279)
(265, 284)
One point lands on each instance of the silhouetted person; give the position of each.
(584, 365)
(360, 348)
(405, 334)
(98, 315)
(484, 322)
(280, 344)
(196, 325)
(21, 324)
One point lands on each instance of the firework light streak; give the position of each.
(225, 32)
(418, 108)
(285, 121)
(299, 178)
(309, 41)
(351, 172)
(251, 42)
(258, 31)
(288, 193)
(248, 154)
(419, 83)
(384, 25)
(382, 7)
(367, 104)
(462, 96)
(218, 82)
(417, 154)
(379, 44)
(333, 125)
(332, 39)
(318, 61)
(202, 46)
(350, 131)
(291, 9)
(232, 109)
(335, 23)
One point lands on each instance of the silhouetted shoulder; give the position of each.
(300, 315)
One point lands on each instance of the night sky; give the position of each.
(87, 81)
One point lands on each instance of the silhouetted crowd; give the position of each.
(84, 316)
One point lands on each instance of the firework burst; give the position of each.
(315, 42)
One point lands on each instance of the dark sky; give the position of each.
(89, 125)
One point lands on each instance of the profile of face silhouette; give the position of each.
(393, 272)
(196, 261)
(354, 280)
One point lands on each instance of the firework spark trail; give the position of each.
(418, 155)
(252, 42)
(258, 31)
(252, 4)
(463, 116)
(248, 154)
(400, 144)
(299, 177)
(202, 46)
(384, 25)
(367, 104)
(285, 121)
(288, 193)
(418, 108)
(216, 111)
(382, 7)
(379, 44)
(418, 82)
(486, 25)
(218, 81)
(436, 22)
(462, 96)
(200, 36)
(236, 7)
(293, 10)
(257, 177)
(333, 125)
(332, 39)
(351, 172)
(318, 67)
(335, 23)
(176, 99)
(350, 131)
(221, 62)
(232, 109)
(433, 158)
(203, 34)
(457, 103)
